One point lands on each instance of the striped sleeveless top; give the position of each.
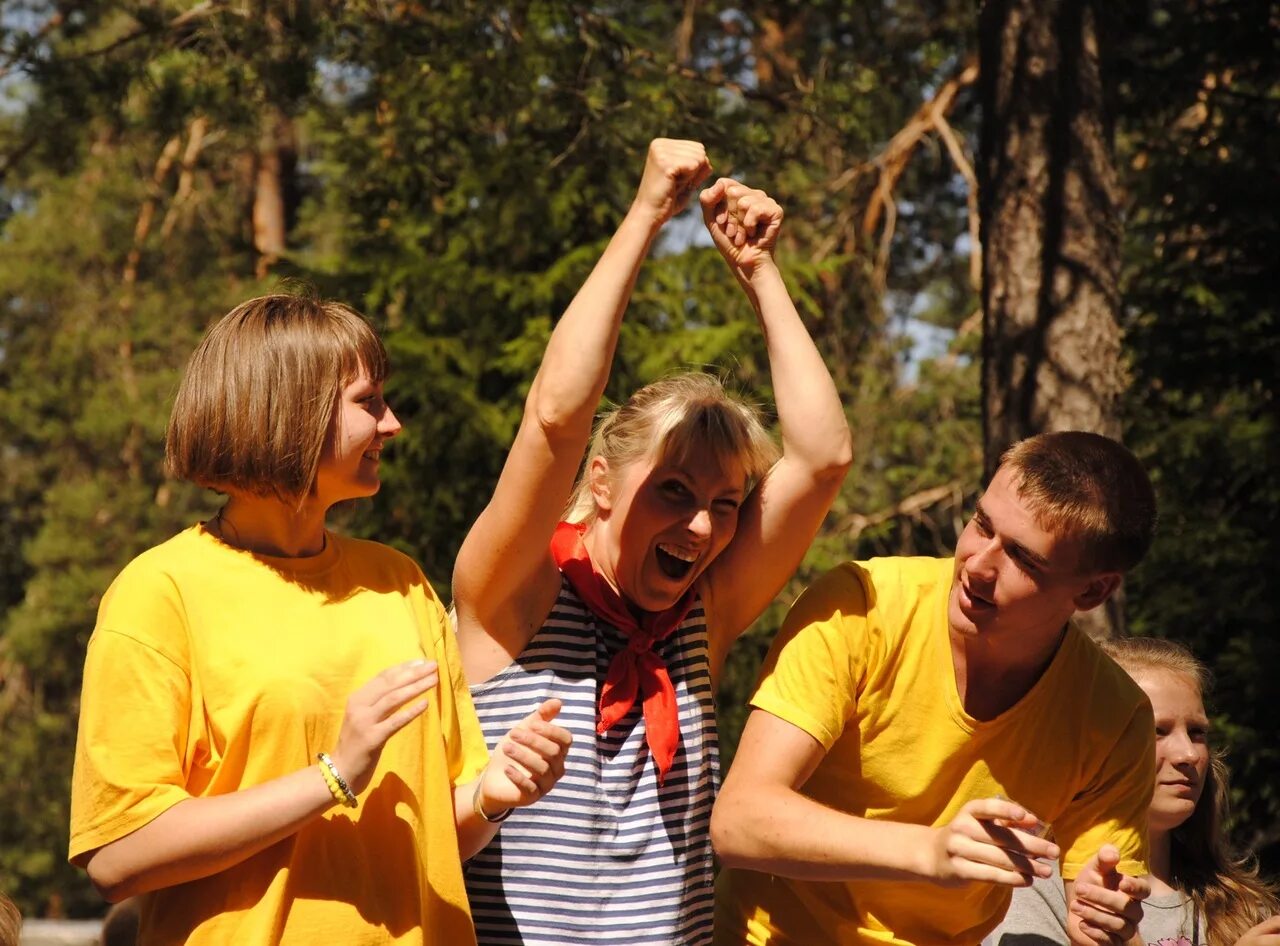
(607, 856)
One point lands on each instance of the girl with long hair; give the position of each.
(1200, 892)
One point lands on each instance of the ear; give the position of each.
(601, 483)
(1100, 587)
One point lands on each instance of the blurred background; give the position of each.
(1000, 219)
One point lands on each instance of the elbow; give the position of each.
(111, 886)
(728, 834)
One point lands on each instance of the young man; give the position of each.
(922, 724)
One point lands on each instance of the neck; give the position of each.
(991, 676)
(1161, 862)
(599, 546)
(268, 526)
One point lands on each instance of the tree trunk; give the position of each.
(1050, 210)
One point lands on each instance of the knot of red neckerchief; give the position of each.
(635, 669)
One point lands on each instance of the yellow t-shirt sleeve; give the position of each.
(464, 742)
(1113, 808)
(814, 669)
(134, 714)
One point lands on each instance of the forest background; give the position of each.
(453, 169)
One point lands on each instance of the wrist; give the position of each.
(483, 807)
(644, 217)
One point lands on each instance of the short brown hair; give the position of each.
(664, 421)
(1091, 487)
(257, 399)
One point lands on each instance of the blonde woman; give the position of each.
(623, 594)
(276, 745)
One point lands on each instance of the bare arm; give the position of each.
(504, 569)
(762, 822)
(782, 515)
(198, 837)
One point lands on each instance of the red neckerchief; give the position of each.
(635, 668)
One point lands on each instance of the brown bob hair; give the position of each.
(1089, 486)
(256, 402)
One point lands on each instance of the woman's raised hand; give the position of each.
(375, 713)
(744, 224)
(673, 169)
(527, 762)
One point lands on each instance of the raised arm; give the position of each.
(504, 579)
(782, 515)
(762, 821)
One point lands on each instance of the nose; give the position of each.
(700, 524)
(388, 423)
(1180, 749)
(981, 562)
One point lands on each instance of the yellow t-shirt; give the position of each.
(863, 664)
(212, 670)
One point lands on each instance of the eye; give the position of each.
(726, 507)
(1021, 559)
(675, 489)
(1198, 733)
(1161, 731)
(980, 523)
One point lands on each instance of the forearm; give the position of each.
(579, 354)
(777, 830)
(199, 837)
(814, 430)
(473, 831)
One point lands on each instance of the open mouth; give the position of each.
(675, 563)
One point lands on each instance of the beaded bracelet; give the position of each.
(479, 809)
(338, 786)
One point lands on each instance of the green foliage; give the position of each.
(458, 169)
(1198, 91)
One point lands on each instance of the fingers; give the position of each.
(673, 170)
(534, 753)
(994, 840)
(398, 685)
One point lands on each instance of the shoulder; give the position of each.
(885, 591)
(370, 558)
(159, 571)
(1113, 694)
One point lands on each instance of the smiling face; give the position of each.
(1182, 745)
(660, 524)
(362, 423)
(1013, 576)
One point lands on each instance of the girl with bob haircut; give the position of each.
(622, 594)
(240, 759)
(1200, 893)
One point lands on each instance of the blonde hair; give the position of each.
(666, 421)
(256, 402)
(1227, 889)
(1091, 487)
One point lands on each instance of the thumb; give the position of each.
(712, 195)
(548, 711)
(1105, 862)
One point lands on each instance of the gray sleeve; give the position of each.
(1037, 916)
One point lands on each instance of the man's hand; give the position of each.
(992, 840)
(1105, 906)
